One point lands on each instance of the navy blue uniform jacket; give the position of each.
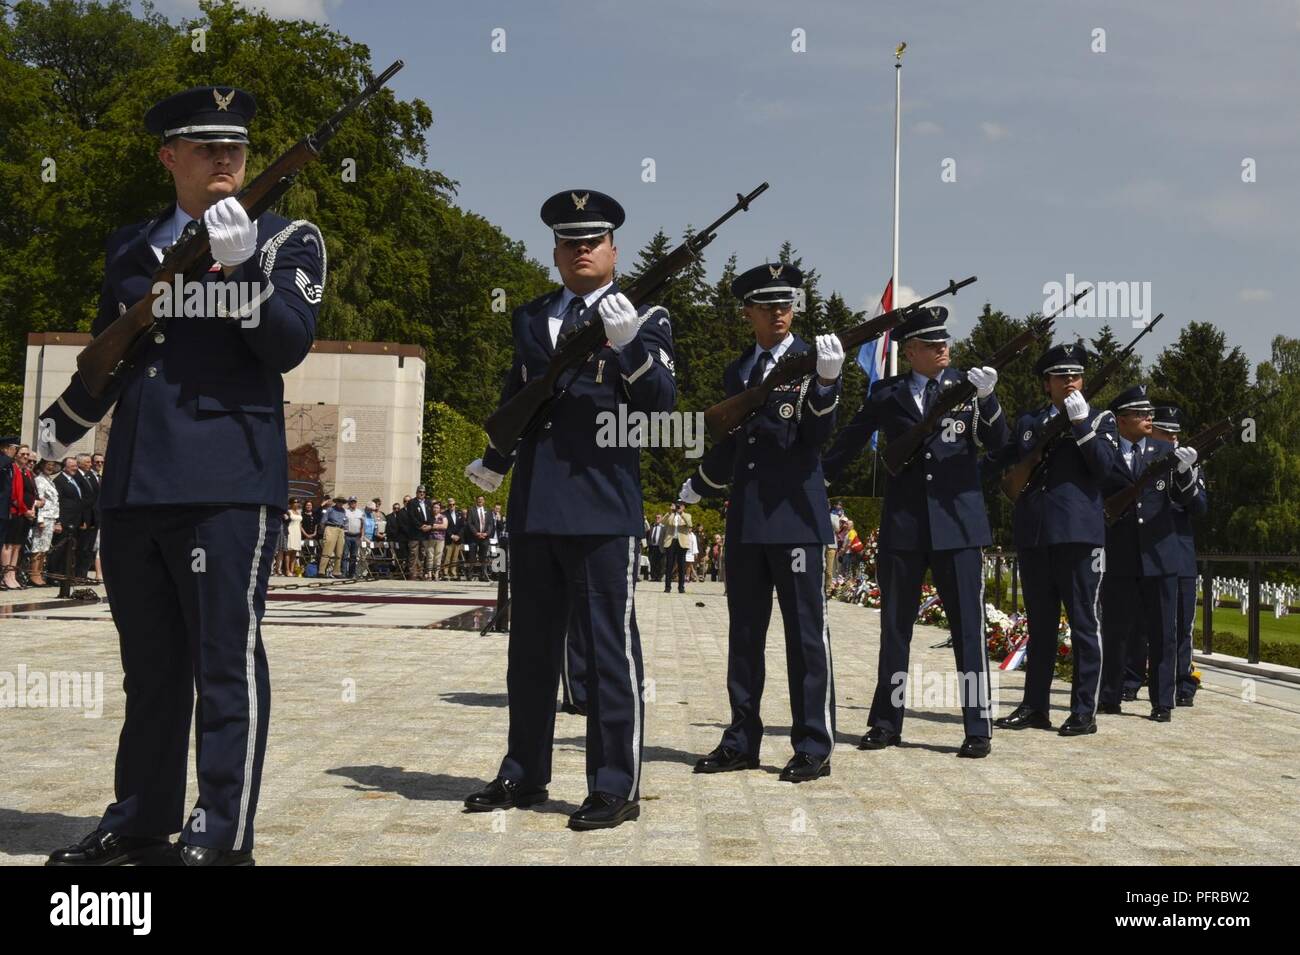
(199, 418)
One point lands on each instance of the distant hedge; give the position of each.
(1234, 645)
(451, 441)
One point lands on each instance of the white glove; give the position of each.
(483, 476)
(984, 379)
(231, 234)
(830, 357)
(1076, 406)
(1186, 458)
(687, 493)
(620, 318)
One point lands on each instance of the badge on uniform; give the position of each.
(786, 411)
(666, 361)
(1160, 485)
(959, 426)
(310, 291)
(1027, 436)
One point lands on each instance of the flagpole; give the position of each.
(898, 116)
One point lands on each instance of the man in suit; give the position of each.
(1059, 530)
(933, 518)
(776, 531)
(479, 526)
(419, 536)
(73, 502)
(1167, 425)
(88, 481)
(654, 547)
(576, 519)
(676, 542)
(1144, 557)
(190, 509)
(396, 530)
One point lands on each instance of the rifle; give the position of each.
(900, 451)
(1018, 476)
(102, 363)
(1206, 443)
(525, 410)
(729, 414)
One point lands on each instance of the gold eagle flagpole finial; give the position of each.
(898, 51)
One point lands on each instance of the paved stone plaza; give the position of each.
(376, 776)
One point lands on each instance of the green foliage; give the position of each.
(1235, 645)
(11, 407)
(450, 442)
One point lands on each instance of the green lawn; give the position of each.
(1226, 620)
(1271, 630)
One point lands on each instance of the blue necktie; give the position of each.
(571, 316)
(931, 389)
(760, 366)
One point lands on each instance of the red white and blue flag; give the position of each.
(873, 356)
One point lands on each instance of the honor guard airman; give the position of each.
(933, 517)
(576, 520)
(1144, 557)
(777, 532)
(1059, 529)
(1168, 425)
(191, 505)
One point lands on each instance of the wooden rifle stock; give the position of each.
(1018, 476)
(1206, 443)
(730, 413)
(525, 409)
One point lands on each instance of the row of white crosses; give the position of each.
(1279, 596)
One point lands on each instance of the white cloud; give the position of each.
(1255, 295)
(315, 10)
(926, 128)
(993, 131)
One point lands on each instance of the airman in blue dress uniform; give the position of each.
(933, 517)
(777, 530)
(1059, 529)
(1144, 557)
(192, 502)
(576, 520)
(1168, 425)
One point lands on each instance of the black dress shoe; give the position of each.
(604, 811)
(1128, 696)
(1023, 717)
(573, 709)
(503, 793)
(1185, 700)
(1112, 709)
(975, 747)
(1076, 725)
(1161, 714)
(724, 759)
(189, 855)
(877, 738)
(803, 767)
(107, 848)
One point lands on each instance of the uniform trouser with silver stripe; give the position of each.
(1140, 612)
(588, 581)
(1068, 575)
(958, 576)
(1186, 685)
(187, 588)
(795, 571)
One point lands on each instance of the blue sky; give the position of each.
(1118, 166)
